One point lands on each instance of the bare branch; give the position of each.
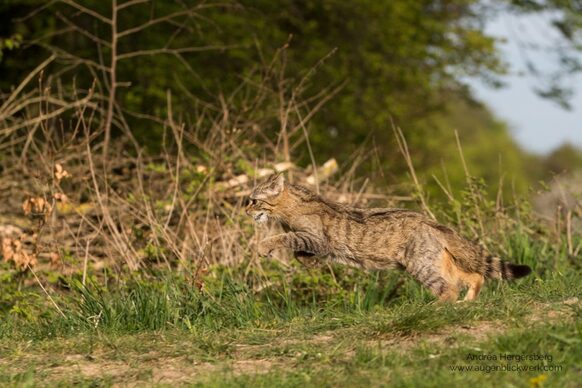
(46, 292)
(130, 3)
(317, 107)
(152, 22)
(82, 31)
(311, 155)
(88, 11)
(186, 12)
(67, 55)
(26, 81)
(43, 117)
(23, 103)
(183, 50)
(403, 146)
(36, 11)
(112, 80)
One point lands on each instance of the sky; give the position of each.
(538, 125)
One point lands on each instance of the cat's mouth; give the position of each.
(260, 217)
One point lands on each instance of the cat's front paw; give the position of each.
(265, 249)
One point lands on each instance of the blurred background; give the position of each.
(502, 73)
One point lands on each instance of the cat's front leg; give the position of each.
(298, 242)
(268, 245)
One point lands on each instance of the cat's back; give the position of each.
(373, 216)
(372, 225)
(338, 218)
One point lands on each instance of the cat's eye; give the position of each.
(252, 201)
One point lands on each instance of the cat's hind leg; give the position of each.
(443, 290)
(425, 261)
(474, 282)
(455, 275)
(429, 274)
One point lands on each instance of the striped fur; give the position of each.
(376, 238)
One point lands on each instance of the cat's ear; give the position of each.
(277, 183)
(270, 188)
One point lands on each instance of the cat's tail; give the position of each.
(495, 268)
(473, 258)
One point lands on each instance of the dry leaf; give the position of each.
(7, 250)
(13, 251)
(24, 260)
(60, 197)
(10, 231)
(198, 280)
(36, 207)
(60, 172)
(27, 206)
(55, 258)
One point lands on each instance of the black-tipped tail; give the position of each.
(496, 268)
(518, 270)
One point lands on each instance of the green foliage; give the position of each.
(9, 44)
(412, 52)
(486, 145)
(397, 60)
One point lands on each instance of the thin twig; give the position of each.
(403, 146)
(181, 50)
(90, 12)
(24, 82)
(112, 81)
(569, 232)
(46, 292)
(130, 3)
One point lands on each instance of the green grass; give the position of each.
(304, 329)
(292, 326)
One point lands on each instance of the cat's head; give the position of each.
(264, 198)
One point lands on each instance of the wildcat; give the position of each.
(376, 238)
